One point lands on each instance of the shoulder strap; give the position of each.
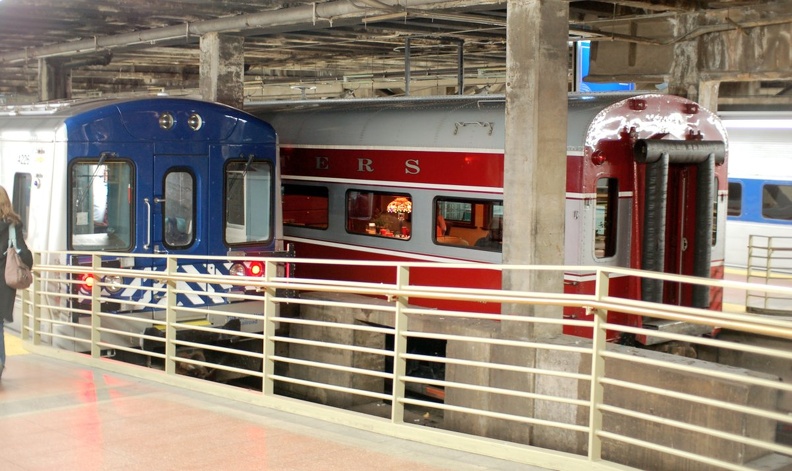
(12, 236)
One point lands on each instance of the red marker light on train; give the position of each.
(598, 157)
(86, 282)
(256, 269)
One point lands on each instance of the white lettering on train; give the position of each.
(364, 165)
(411, 167)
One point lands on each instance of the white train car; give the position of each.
(760, 185)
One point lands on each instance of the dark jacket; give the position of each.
(7, 294)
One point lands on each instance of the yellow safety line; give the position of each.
(13, 345)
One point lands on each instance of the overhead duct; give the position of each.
(288, 19)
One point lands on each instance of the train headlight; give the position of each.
(113, 283)
(166, 121)
(195, 121)
(237, 269)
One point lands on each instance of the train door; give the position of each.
(679, 196)
(177, 206)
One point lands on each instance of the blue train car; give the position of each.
(143, 176)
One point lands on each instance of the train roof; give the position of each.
(50, 117)
(389, 121)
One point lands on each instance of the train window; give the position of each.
(715, 213)
(379, 214)
(735, 199)
(179, 211)
(605, 217)
(21, 197)
(305, 206)
(101, 205)
(777, 201)
(248, 202)
(469, 223)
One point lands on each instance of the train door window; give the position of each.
(248, 202)
(179, 211)
(21, 197)
(777, 201)
(605, 217)
(305, 206)
(735, 199)
(100, 212)
(379, 214)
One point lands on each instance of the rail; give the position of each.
(769, 263)
(345, 352)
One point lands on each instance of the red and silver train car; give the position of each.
(422, 179)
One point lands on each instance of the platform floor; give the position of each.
(57, 415)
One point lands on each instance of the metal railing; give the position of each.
(769, 263)
(357, 353)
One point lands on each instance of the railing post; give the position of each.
(170, 316)
(400, 326)
(34, 322)
(598, 345)
(270, 311)
(96, 308)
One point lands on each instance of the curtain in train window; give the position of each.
(305, 206)
(777, 201)
(179, 210)
(21, 198)
(605, 218)
(100, 211)
(248, 202)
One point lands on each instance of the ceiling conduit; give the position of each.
(287, 19)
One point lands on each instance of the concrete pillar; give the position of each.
(535, 161)
(686, 79)
(53, 80)
(222, 71)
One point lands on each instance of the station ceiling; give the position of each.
(144, 46)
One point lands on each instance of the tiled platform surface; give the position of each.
(59, 416)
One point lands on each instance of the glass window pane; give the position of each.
(777, 201)
(248, 202)
(605, 217)
(178, 212)
(21, 198)
(379, 214)
(305, 206)
(735, 199)
(101, 206)
(466, 222)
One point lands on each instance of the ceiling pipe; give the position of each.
(288, 19)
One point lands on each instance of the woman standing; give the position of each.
(7, 294)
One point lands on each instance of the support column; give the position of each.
(535, 161)
(53, 80)
(222, 70)
(685, 78)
